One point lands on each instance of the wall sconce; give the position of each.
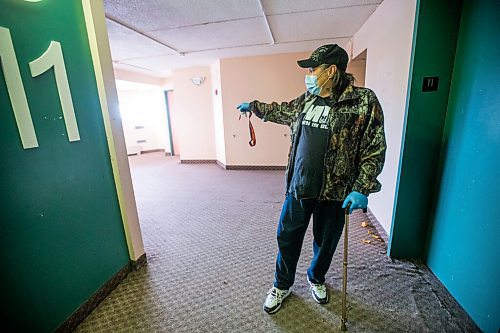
(197, 80)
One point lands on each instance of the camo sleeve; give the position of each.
(280, 113)
(372, 151)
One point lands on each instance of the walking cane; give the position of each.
(343, 318)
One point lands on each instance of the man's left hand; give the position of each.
(357, 201)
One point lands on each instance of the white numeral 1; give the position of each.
(53, 57)
(16, 91)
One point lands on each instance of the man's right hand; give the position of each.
(244, 107)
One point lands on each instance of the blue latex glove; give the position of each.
(357, 201)
(244, 107)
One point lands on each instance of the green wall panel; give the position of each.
(463, 249)
(435, 35)
(61, 232)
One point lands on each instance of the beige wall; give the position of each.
(265, 78)
(387, 37)
(125, 75)
(357, 67)
(193, 112)
(220, 144)
(167, 83)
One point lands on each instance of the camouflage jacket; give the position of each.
(356, 152)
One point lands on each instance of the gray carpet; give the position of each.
(209, 235)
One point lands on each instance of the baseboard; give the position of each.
(198, 161)
(251, 167)
(256, 167)
(86, 308)
(149, 151)
(140, 262)
(222, 165)
(236, 167)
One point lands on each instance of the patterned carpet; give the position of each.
(210, 240)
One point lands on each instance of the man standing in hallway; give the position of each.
(337, 151)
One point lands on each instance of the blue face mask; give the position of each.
(312, 84)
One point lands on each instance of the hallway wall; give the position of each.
(357, 67)
(125, 75)
(62, 230)
(194, 116)
(387, 37)
(266, 78)
(463, 248)
(220, 144)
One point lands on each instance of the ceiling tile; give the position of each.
(151, 71)
(209, 30)
(273, 7)
(127, 44)
(329, 23)
(163, 14)
(307, 46)
(216, 35)
(164, 64)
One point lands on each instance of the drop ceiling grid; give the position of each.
(328, 23)
(252, 31)
(167, 14)
(127, 44)
(165, 63)
(208, 30)
(274, 7)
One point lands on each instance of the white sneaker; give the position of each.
(319, 292)
(274, 299)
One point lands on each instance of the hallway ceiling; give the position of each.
(156, 36)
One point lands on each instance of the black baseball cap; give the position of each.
(330, 54)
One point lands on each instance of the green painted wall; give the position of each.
(463, 249)
(61, 232)
(435, 36)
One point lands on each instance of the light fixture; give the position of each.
(197, 80)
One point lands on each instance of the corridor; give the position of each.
(210, 239)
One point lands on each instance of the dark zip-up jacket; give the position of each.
(356, 152)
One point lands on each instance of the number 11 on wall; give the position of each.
(52, 57)
(16, 90)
